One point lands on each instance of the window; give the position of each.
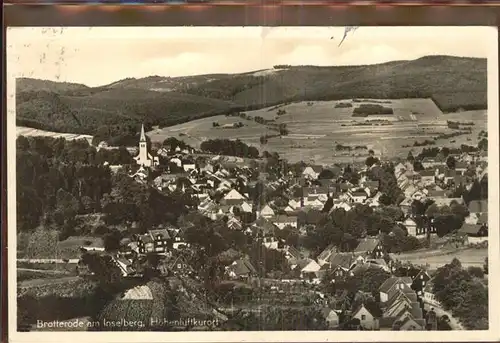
(422, 276)
(363, 317)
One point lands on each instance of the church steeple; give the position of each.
(143, 135)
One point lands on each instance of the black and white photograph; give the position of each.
(268, 180)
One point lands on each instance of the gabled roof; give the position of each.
(471, 229)
(234, 194)
(303, 263)
(242, 267)
(367, 245)
(361, 307)
(359, 194)
(163, 233)
(267, 209)
(329, 250)
(483, 218)
(294, 252)
(390, 282)
(146, 239)
(344, 260)
(315, 168)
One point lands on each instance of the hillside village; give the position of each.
(332, 234)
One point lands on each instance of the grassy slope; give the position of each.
(452, 82)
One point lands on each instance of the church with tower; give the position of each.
(144, 158)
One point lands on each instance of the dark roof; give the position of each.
(359, 194)
(159, 232)
(386, 322)
(242, 267)
(344, 260)
(483, 218)
(145, 239)
(249, 265)
(471, 229)
(478, 206)
(359, 308)
(367, 245)
(317, 168)
(387, 285)
(294, 252)
(327, 252)
(409, 318)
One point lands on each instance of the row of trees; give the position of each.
(230, 148)
(460, 291)
(345, 229)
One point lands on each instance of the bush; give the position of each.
(365, 110)
(476, 272)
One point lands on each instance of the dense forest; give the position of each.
(59, 179)
(229, 147)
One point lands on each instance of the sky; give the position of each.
(98, 56)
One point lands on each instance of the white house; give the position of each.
(234, 195)
(411, 226)
(246, 207)
(366, 319)
(267, 212)
(429, 296)
(358, 197)
(311, 267)
(189, 166)
(312, 172)
(331, 318)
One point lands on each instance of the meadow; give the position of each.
(468, 257)
(316, 127)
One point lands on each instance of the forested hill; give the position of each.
(453, 82)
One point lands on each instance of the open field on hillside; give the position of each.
(317, 127)
(468, 257)
(27, 131)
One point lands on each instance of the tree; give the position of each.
(483, 144)
(451, 162)
(370, 161)
(43, 243)
(476, 272)
(368, 281)
(112, 241)
(417, 166)
(326, 174)
(410, 157)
